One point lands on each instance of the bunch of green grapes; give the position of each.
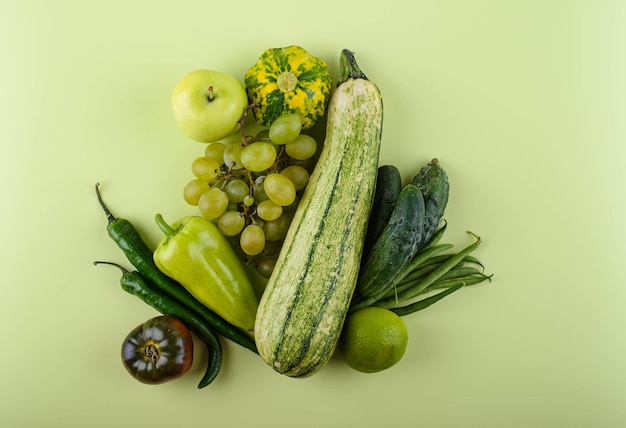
(250, 186)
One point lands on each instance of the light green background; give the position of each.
(522, 102)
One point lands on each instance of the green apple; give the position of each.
(208, 105)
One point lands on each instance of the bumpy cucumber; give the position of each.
(397, 244)
(388, 187)
(432, 180)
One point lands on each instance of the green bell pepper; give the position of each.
(196, 254)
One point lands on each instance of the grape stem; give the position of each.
(242, 122)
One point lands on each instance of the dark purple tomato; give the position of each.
(159, 350)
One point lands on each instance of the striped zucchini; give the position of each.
(304, 305)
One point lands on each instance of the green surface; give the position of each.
(523, 104)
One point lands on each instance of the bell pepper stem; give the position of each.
(165, 228)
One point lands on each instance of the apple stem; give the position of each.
(211, 96)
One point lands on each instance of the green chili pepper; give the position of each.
(136, 284)
(130, 241)
(196, 254)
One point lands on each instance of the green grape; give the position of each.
(302, 148)
(269, 210)
(215, 151)
(194, 189)
(308, 164)
(252, 240)
(232, 156)
(236, 189)
(279, 189)
(272, 248)
(285, 128)
(205, 168)
(231, 223)
(258, 192)
(265, 266)
(263, 135)
(258, 221)
(298, 175)
(276, 230)
(291, 208)
(248, 200)
(213, 203)
(235, 137)
(258, 156)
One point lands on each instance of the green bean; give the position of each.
(360, 302)
(424, 303)
(474, 260)
(422, 257)
(443, 257)
(429, 265)
(421, 272)
(459, 272)
(418, 273)
(449, 286)
(447, 283)
(410, 280)
(430, 278)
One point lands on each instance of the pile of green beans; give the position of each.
(431, 269)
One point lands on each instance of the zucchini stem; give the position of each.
(348, 67)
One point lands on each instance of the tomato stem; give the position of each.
(152, 352)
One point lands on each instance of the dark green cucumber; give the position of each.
(432, 180)
(397, 244)
(388, 187)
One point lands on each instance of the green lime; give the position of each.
(373, 339)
